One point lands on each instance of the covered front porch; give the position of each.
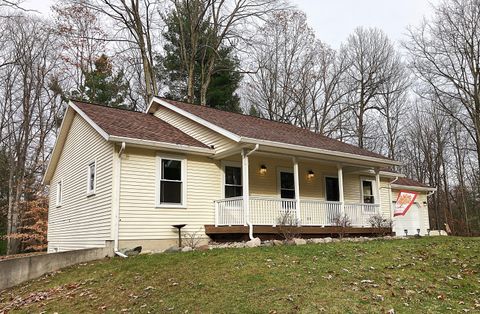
(270, 189)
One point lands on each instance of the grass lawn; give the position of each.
(427, 275)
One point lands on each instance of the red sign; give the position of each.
(405, 200)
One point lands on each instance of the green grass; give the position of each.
(427, 275)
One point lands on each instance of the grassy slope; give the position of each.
(411, 276)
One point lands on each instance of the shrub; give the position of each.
(377, 221)
(192, 239)
(288, 226)
(342, 221)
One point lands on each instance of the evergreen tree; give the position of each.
(221, 93)
(103, 86)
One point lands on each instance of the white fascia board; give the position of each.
(191, 116)
(163, 145)
(150, 105)
(89, 121)
(320, 151)
(385, 174)
(412, 188)
(392, 174)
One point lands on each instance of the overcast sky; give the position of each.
(333, 20)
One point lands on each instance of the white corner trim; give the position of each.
(199, 120)
(90, 121)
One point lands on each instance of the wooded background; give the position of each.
(418, 101)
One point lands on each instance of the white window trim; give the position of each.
(325, 187)
(224, 164)
(92, 192)
(374, 190)
(158, 178)
(279, 181)
(59, 196)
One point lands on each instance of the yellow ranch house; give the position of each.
(125, 179)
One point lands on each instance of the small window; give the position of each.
(59, 193)
(91, 178)
(367, 190)
(332, 193)
(171, 183)
(233, 182)
(287, 185)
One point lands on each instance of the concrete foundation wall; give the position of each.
(17, 270)
(156, 245)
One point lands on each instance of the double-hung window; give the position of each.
(59, 195)
(91, 178)
(233, 181)
(172, 185)
(367, 192)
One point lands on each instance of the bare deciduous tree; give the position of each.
(298, 77)
(229, 22)
(27, 109)
(136, 21)
(445, 54)
(370, 56)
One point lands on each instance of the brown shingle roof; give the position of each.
(137, 125)
(410, 182)
(258, 128)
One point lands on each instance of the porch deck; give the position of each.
(307, 218)
(237, 233)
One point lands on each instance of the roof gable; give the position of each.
(135, 125)
(249, 127)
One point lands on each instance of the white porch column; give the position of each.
(377, 180)
(296, 181)
(245, 187)
(340, 189)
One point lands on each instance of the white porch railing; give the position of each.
(319, 213)
(270, 211)
(229, 212)
(360, 214)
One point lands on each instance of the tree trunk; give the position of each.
(12, 218)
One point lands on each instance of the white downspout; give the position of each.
(117, 201)
(246, 189)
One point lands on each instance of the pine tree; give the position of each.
(102, 85)
(221, 93)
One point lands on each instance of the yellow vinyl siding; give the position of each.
(195, 130)
(81, 221)
(385, 198)
(140, 219)
(314, 188)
